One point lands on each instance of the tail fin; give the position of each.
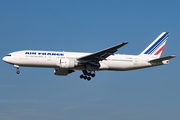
(156, 47)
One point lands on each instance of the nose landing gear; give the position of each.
(17, 68)
(17, 71)
(87, 75)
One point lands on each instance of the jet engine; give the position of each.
(67, 63)
(58, 71)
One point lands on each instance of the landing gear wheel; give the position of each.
(18, 72)
(85, 77)
(88, 78)
(89, 74)
(82, 76)
(93, 75)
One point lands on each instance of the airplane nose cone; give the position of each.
(4, 59)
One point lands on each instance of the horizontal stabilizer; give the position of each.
(162, 59)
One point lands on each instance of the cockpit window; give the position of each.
(8, 55)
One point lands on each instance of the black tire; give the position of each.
(85, 77)
(88, 78)
(17, 72)
(81, 76)
(89, 74)
(93, 75)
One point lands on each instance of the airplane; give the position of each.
(65, 63)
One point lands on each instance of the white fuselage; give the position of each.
(51, 59)
(65, 63)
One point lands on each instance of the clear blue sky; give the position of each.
(89, 26)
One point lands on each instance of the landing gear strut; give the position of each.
(17, 68)
(87, 75)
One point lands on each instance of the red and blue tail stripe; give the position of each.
(160, 50)
(158, 45)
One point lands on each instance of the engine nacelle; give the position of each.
(58, 71)
(67, 63)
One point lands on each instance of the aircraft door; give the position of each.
(136, 62)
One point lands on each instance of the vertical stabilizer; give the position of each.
(156, 47)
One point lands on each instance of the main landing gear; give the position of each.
(87, 75)
(17, 68)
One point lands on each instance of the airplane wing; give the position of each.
(161, 59)
(103, 54)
